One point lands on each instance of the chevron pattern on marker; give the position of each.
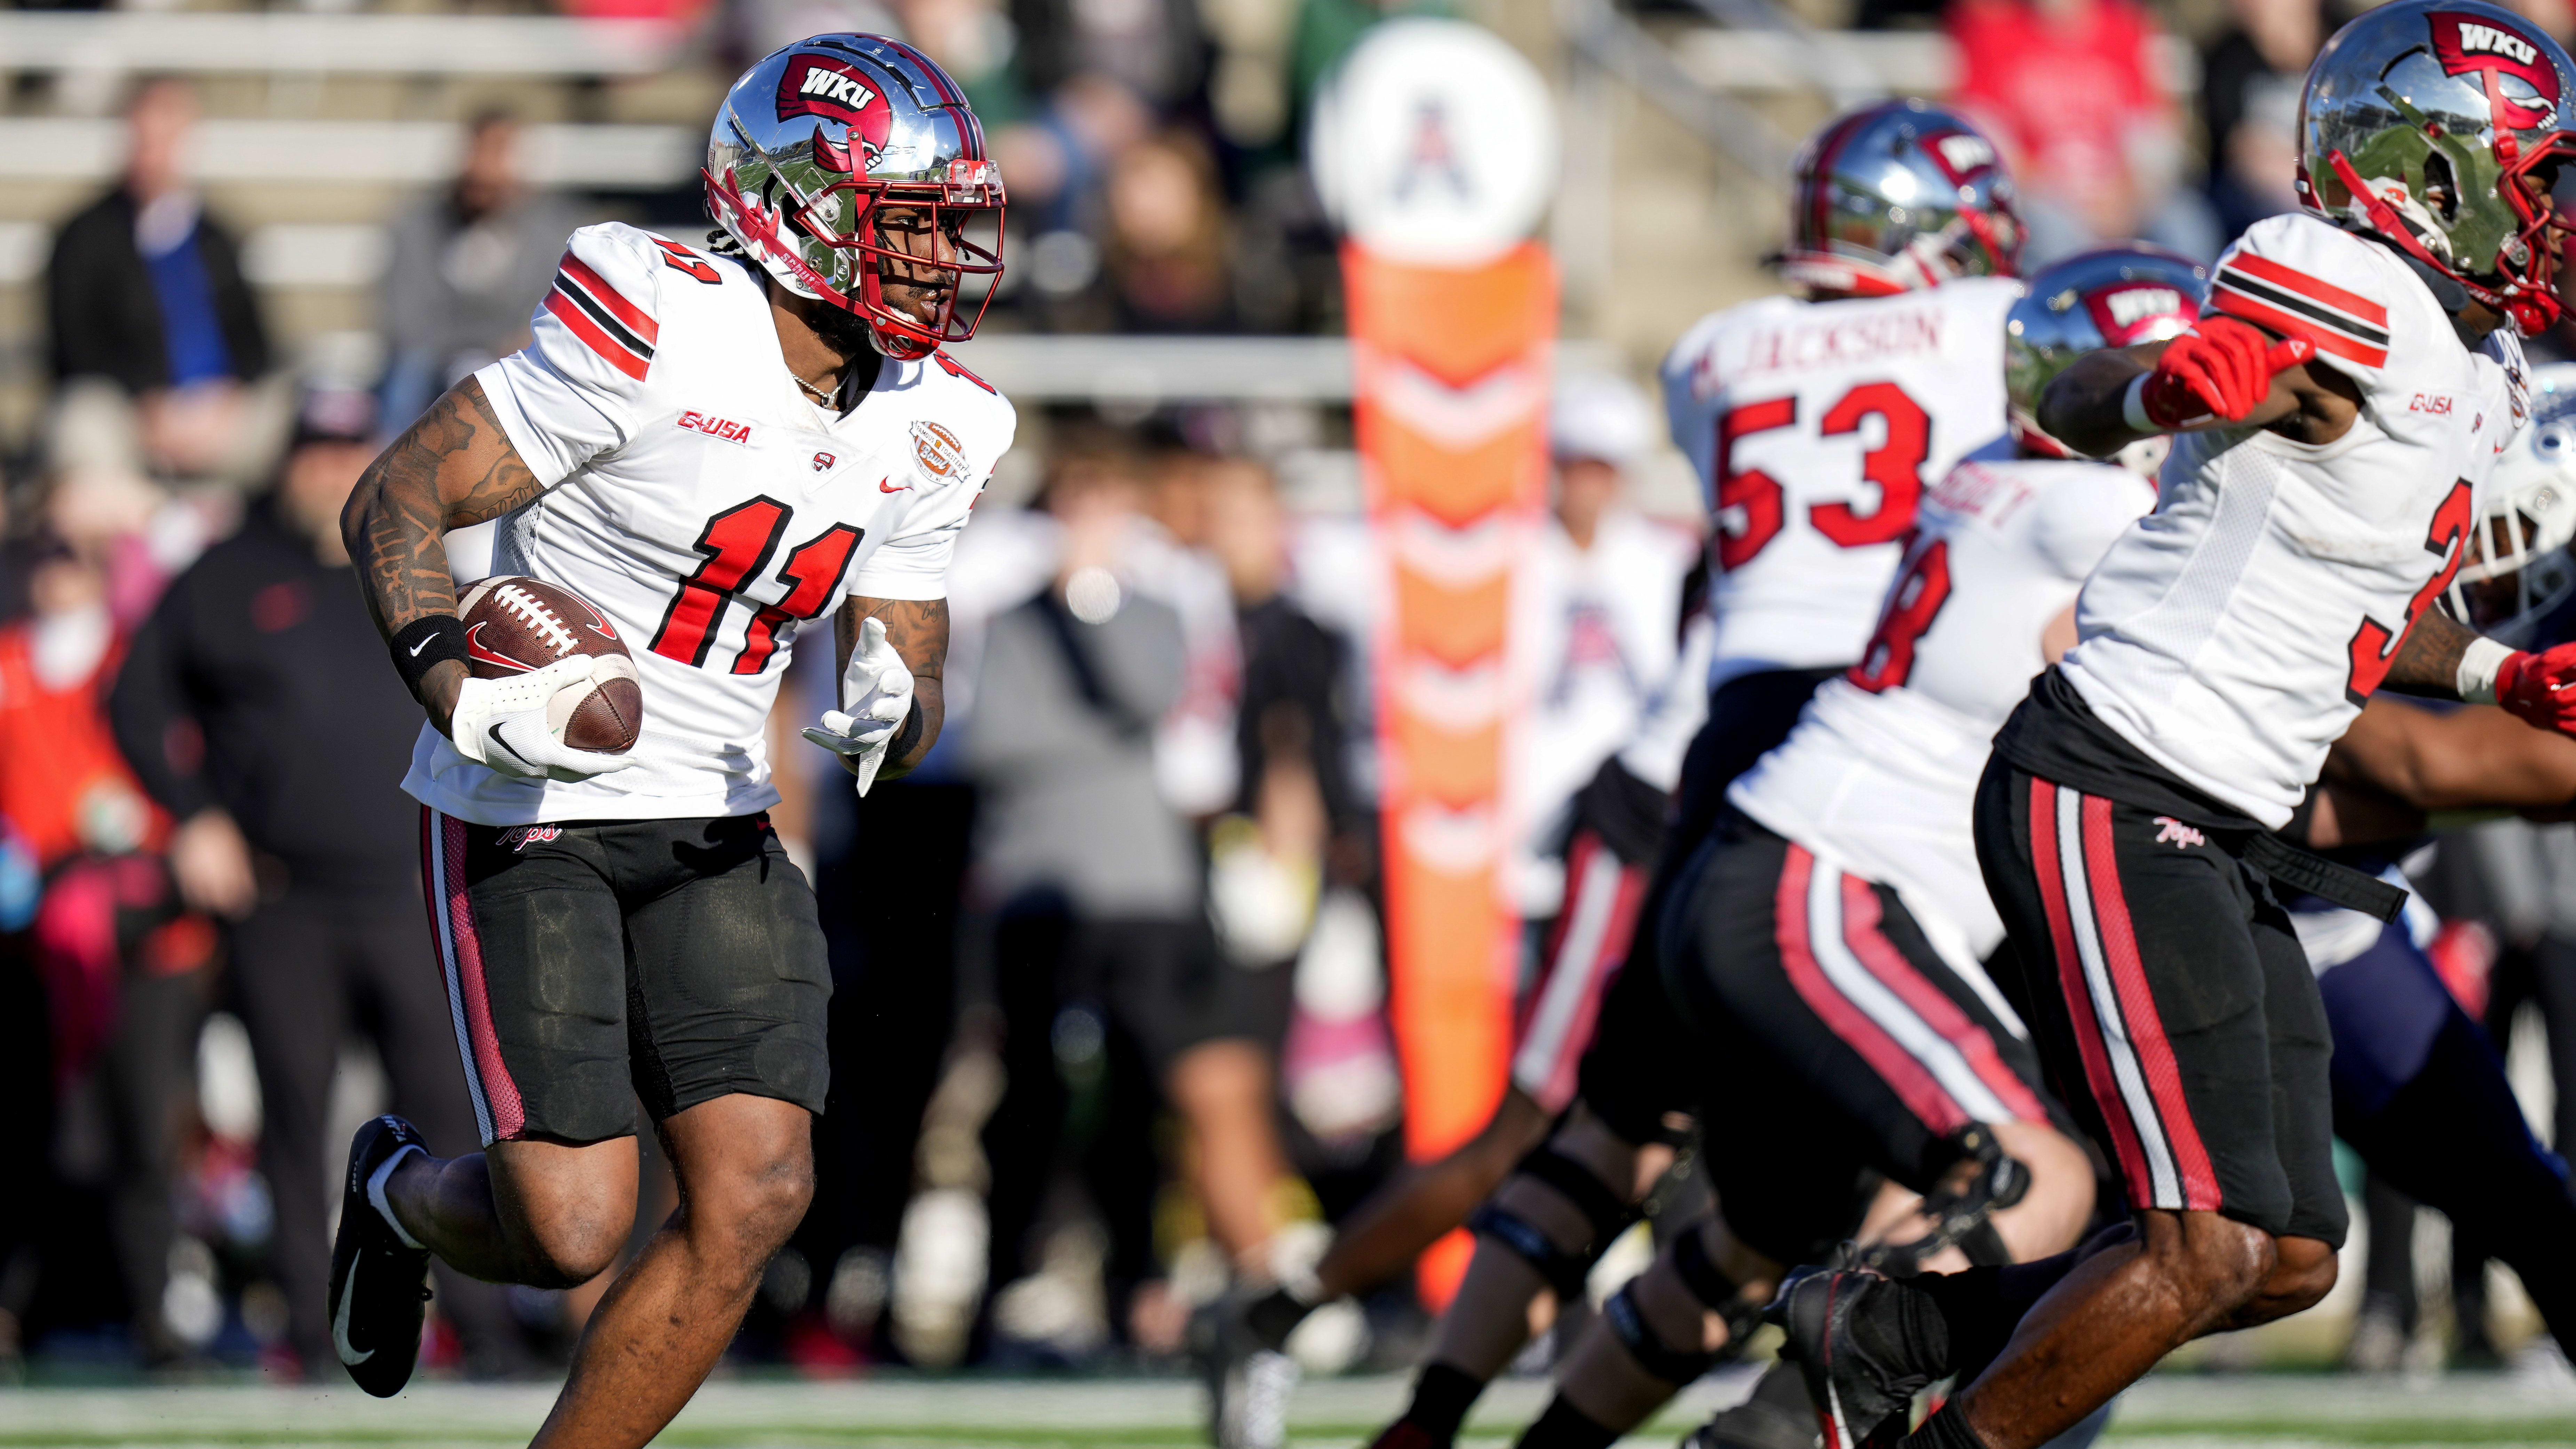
(2294, 304)
(605, 321)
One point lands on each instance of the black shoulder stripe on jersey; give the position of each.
(599, 314)
(2343, 322)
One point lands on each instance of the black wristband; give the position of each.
(424, 642)
(908, 733)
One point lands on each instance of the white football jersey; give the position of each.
(2232, 634)
(1816, 427)
(1881, 772)
(709, 510)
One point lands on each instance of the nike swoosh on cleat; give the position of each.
(340, 1321)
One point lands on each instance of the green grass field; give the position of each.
(2172, 1411)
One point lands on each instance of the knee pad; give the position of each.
(1564, 1268)
(1962, 1218)
(1715, 1291)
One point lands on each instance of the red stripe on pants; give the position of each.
(2079, 998)
(2138, 1007)
(1861, 917)
(1912, 1083)
(509, 1116)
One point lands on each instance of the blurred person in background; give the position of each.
(1597, 616)
(255, 708)
(1292, 725)
(2069, 88)
(122, 965)
(1167, 238)
(1104, 960)
(2249, 104)
(469, 263)
(158, 353)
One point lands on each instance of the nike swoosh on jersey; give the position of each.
(348, 1351)
(886, 485)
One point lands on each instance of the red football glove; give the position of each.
(2221, 367)
(2540, 689)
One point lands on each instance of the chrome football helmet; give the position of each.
(2517, 569)
(849, 165)
(2107, 298)
(2440, 125)
(1899, 196)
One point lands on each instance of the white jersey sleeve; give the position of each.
(2300, 277)
(913, 562)
(578, 388)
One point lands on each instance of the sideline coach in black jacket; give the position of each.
(255, 706)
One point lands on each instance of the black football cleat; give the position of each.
(1857, 1343)
(378, 1285)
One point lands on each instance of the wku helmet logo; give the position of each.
(2140, 312)
(815, 85)
(2465, 43)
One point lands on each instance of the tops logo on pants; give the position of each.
(2170, 831)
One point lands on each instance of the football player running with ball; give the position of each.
(715, 447)
(2336, 410)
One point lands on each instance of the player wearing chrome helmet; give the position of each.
(2108, 298)
(1897, 196)
(851, 169)
(2352, 380)
(2439, 128)
(717, 449)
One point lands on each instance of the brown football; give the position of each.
(513, 625)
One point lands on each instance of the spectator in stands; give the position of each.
(2249, 104)
(122, 968)
(1596, 617)
(257, 710)
(1167, 239)
(156, 339)
(2069, 89)
(1104, 961)
(469, 263)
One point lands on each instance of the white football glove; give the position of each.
(876, 693)
(510, 726)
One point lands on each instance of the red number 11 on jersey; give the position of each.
(738, 544)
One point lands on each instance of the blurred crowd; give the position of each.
(1108, 1023)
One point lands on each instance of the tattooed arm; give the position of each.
(2428, 659)
(453, 468)
(918, 630)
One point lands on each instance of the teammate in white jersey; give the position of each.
(1817, 424)
(715, 447)
(1823, 948)
(2334, 419)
